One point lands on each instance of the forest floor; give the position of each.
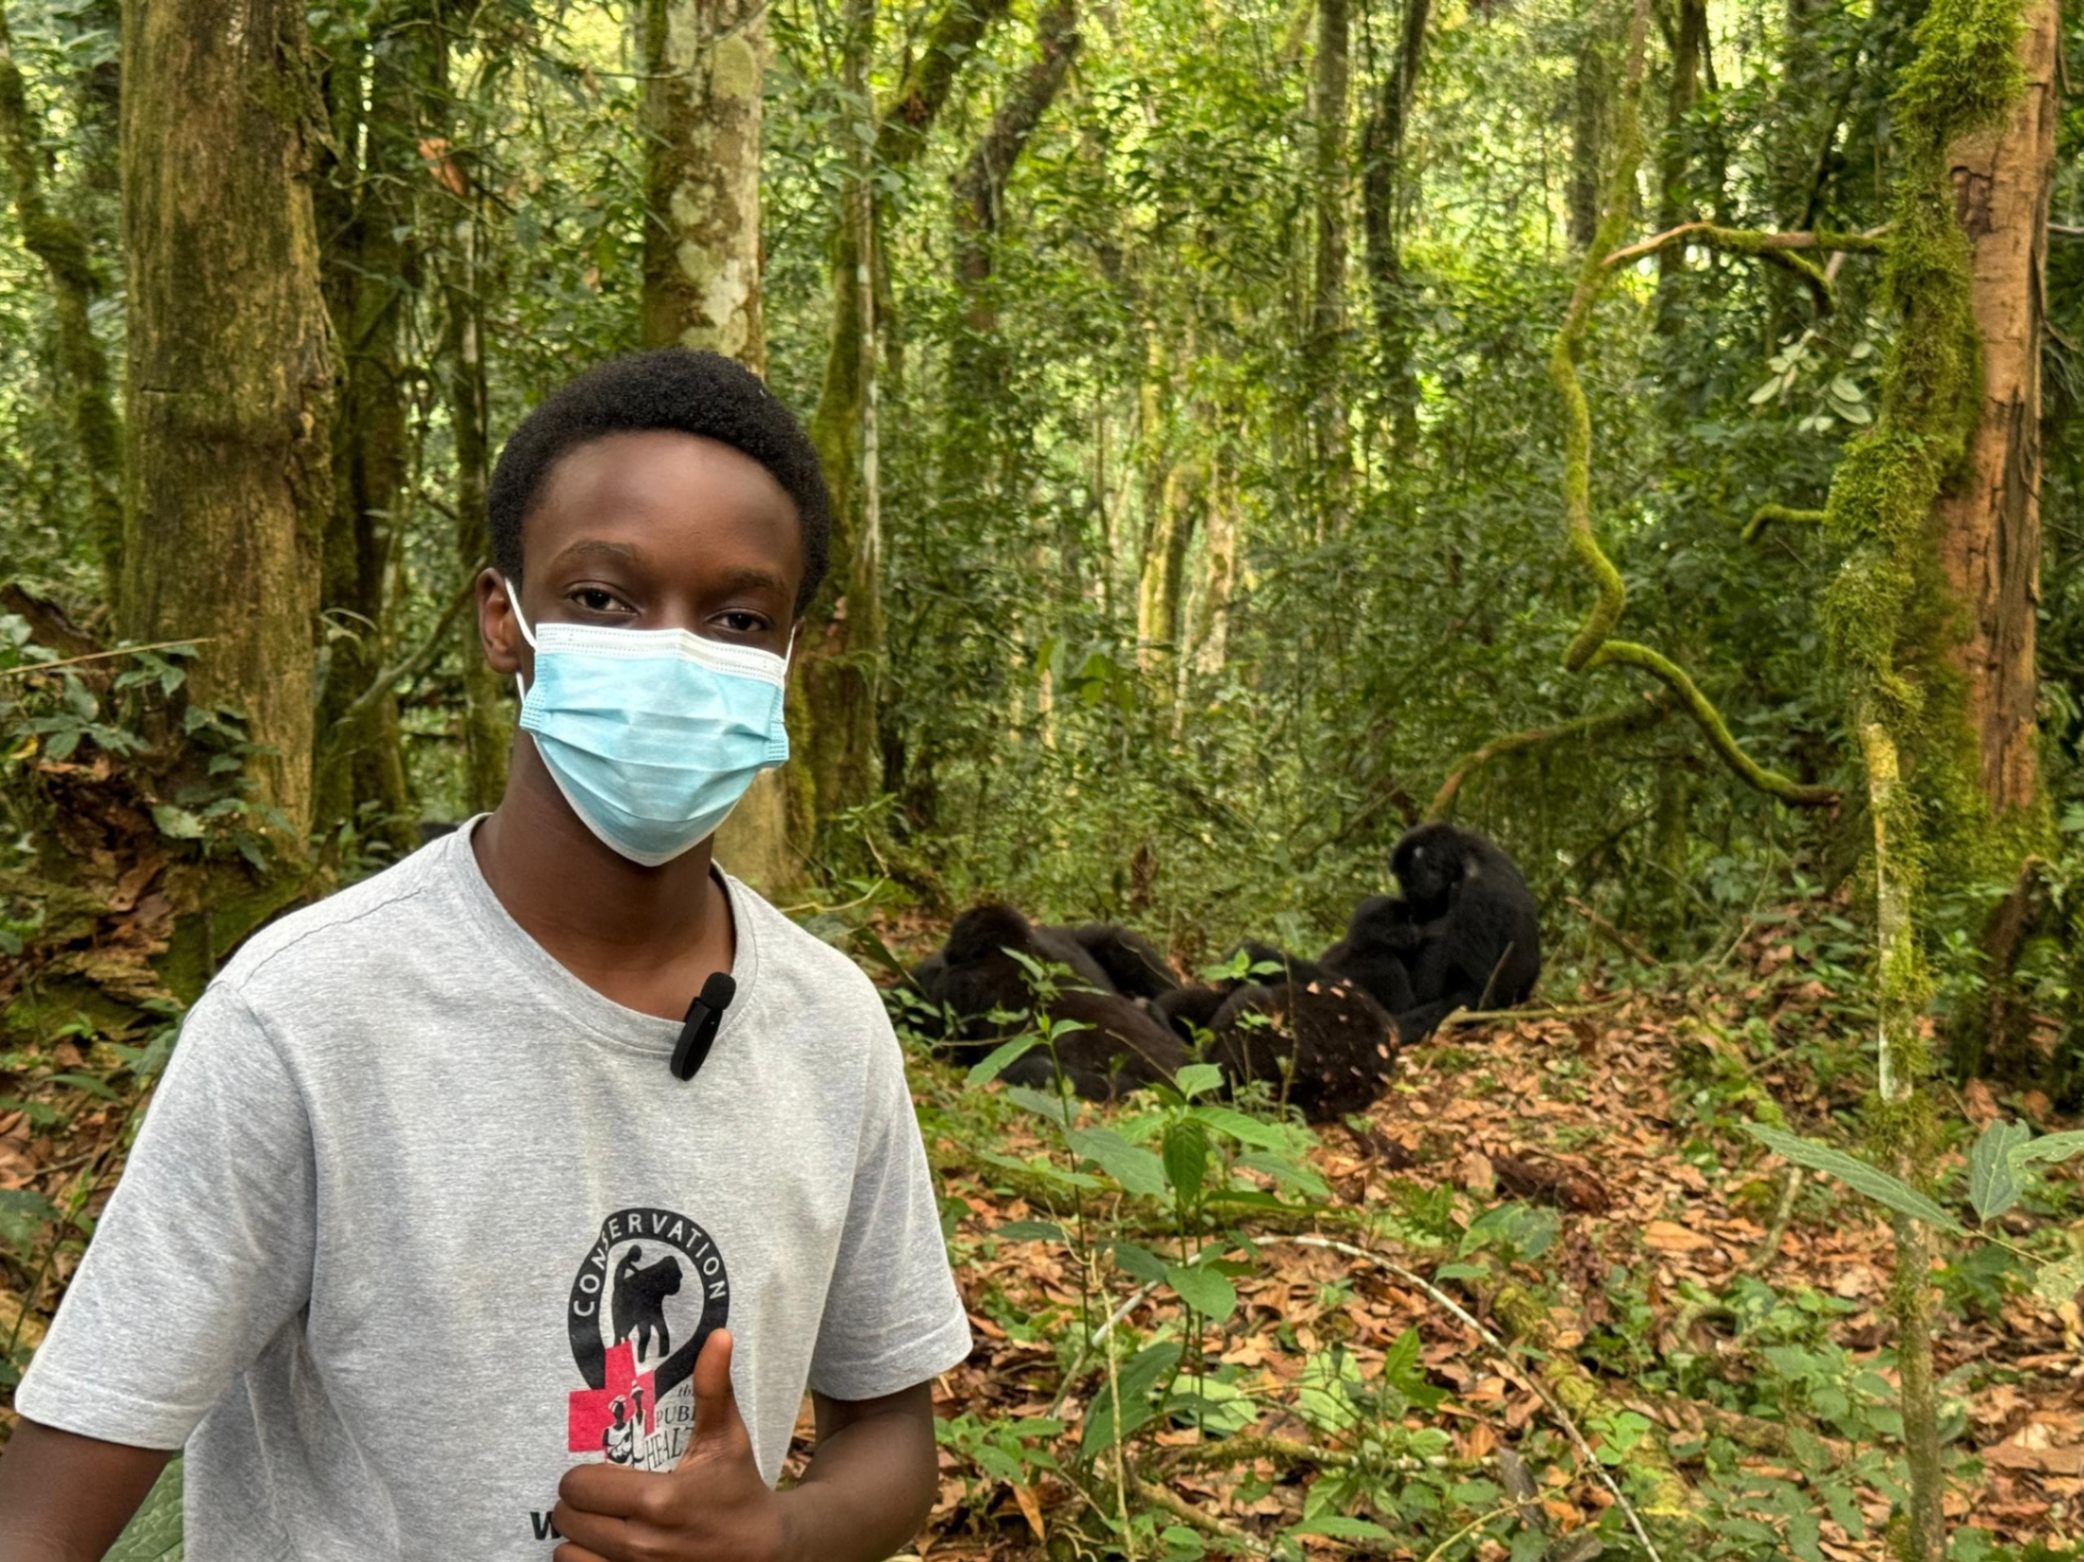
(1718, 1305)
(1692, 1302)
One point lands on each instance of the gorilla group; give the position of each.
(1463, 933)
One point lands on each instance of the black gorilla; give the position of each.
(1120, 1046)
(1135, 968)
(1378, 941)
(1325, 1046)
(1465, 930)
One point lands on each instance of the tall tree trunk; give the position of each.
(1160, 591)
(704, 63)
(1990, 515)
(457, 226)
(1675, 202)
(370, 276)
(60, 244)
(1591, 87)
(1334, 458)
(230, 399)
(1217, 581)
(1382, 198)
(835, 730)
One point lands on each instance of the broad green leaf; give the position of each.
(1856, 1174)
(1139, 1262)
(1246, 1129)
(1339, 1527)
(1029, 1231)
(176, 824)
(23, 1213)
(1135, 1168)
(1198, 1079)
(1208, 1291)
(1289, 1174)
(1993, 1181)
(1133, 1382)
(1186, 1158)
(1000, 1058)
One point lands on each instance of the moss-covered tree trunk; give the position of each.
(60, 242)
(1990, 514)
(1674, 197)
(370, 274)
(230, 393)
(837, 739)
(704, 62)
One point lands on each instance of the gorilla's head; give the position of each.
(1429, 862)
(983, 931)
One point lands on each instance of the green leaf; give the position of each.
(23, 1213)
(1843, 389)
(1198, 1079)
(1857, 1174)
(1290, 1174)
(1993, 1181)
(1246, 1129)
(1208, 1291)
(999, 1059)
(176, 824)
(1139, 1262)
(1766, 392)
(1855, 413)
(2048, 1150)
(2056, 1283)
(1135, 1168)
(154, 1533)
(1029, 1231)
(1186, 1158)
(1339, 1527)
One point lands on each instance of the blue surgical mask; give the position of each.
(652, 735)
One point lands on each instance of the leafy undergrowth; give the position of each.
(1546, 1281)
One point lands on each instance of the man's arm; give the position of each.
(65, 1498)
(872, 1478)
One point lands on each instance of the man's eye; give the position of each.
(744, 623)
(595, 600)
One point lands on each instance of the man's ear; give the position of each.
(499, 632)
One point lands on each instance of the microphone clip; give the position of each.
(698, 1030)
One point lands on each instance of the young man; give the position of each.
(424, 1251)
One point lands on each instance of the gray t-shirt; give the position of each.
(418, 1220)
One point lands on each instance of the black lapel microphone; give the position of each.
(698, 1030)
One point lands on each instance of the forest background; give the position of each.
(1254, 427)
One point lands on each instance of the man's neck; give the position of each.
(641, 935)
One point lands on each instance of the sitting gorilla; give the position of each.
(1134, 966)
(1323, 1044)
(1189, 1010)
(1466, 930)
(1118, 1047)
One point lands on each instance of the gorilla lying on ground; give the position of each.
(1464, 934)
(1120, 1046)
(1134, 966)
(1191, 1009)
(1325, 1046)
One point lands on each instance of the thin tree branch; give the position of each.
(409, 667)
(1653, 708)
(1766, 514)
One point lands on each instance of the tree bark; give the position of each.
(1382, 195)
(1989, 516)
(1589, 125)
(370, 276)
(1675, 202)
(704, 62)
(230, 396)
(60, 244)
(1328, 289)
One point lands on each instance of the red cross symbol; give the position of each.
(592, 1410)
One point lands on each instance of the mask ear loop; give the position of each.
(514, 603)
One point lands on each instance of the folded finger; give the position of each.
(594, 1534)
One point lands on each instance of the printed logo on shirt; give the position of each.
(647, 1295)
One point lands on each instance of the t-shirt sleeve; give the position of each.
(203, 1253)
(893, 1317)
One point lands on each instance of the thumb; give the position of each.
(716, 1401)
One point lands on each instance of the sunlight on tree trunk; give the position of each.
(230, 370)
(1328, 293)
(1383, 192)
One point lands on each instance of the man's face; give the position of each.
(654, 530)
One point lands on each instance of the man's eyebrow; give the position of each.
(596, 547)
(752, 579)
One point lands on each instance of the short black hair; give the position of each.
(699, 393)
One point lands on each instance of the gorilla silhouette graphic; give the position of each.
(640, 1300)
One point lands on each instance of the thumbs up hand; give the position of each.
(713, 1507)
